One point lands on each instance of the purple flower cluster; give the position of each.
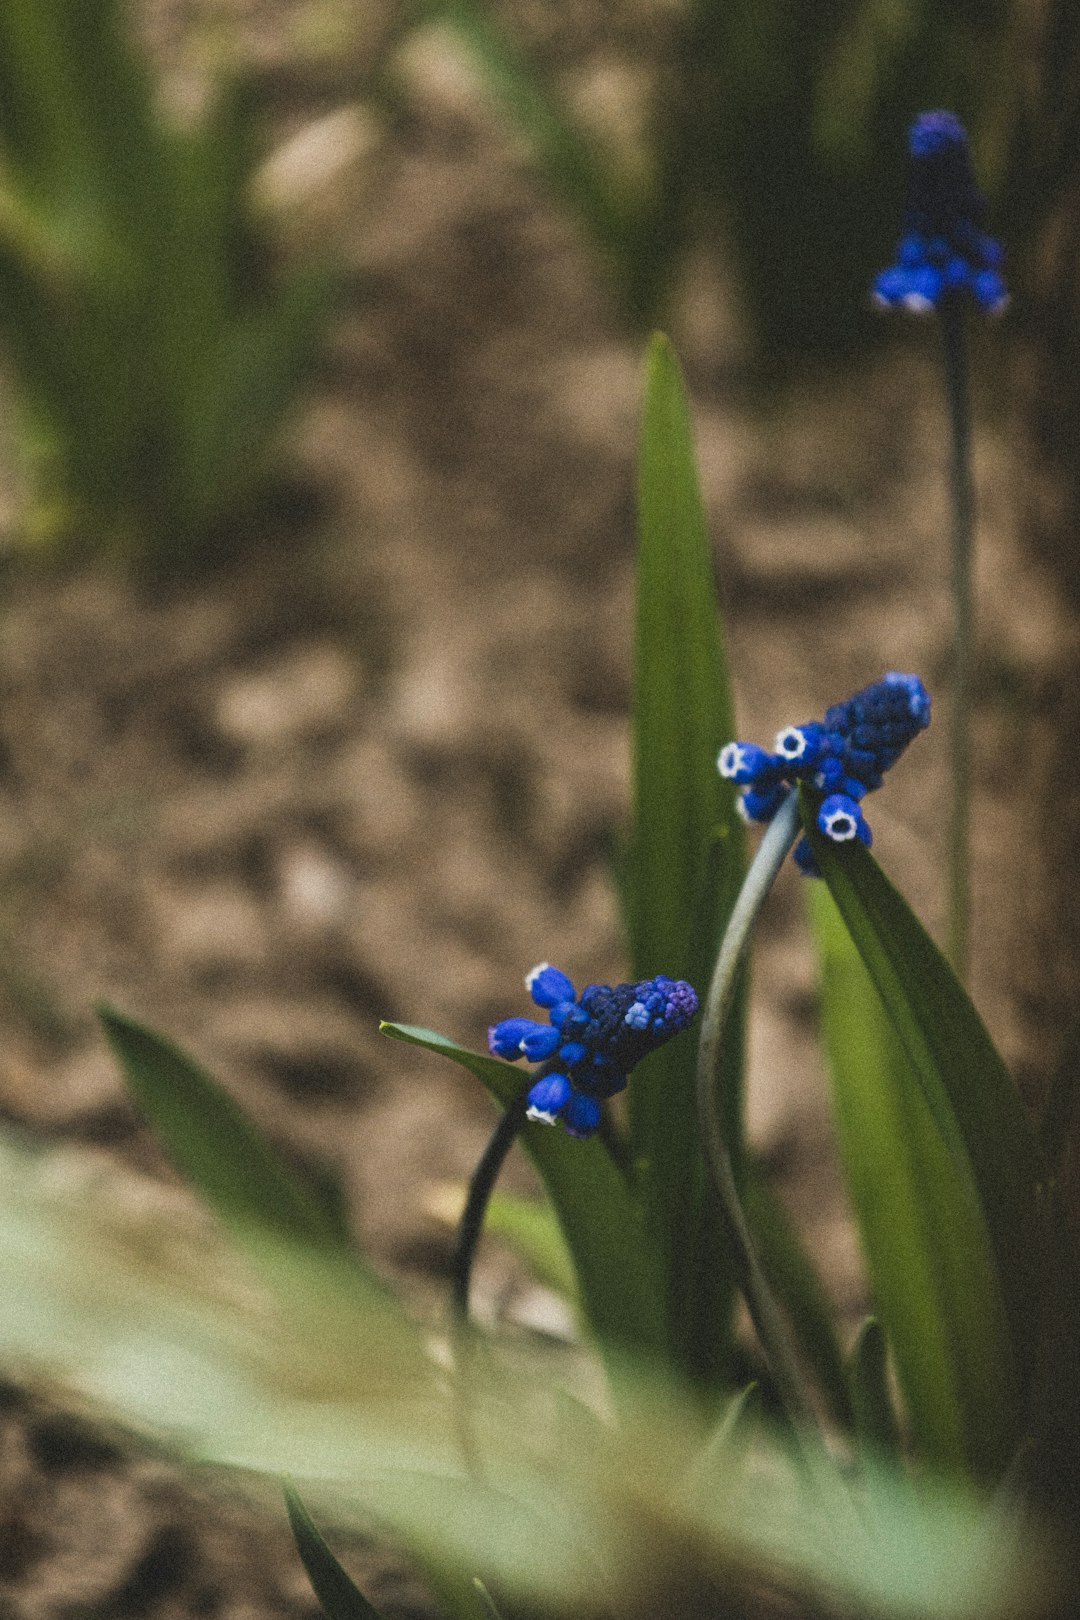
(943, 250)
(590, 1042)
(845, 756)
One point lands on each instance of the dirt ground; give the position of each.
(372, 770)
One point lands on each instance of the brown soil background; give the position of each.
(373, 770)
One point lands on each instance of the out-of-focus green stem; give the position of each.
(765, 1314)
(480, 1188)
(954, 349)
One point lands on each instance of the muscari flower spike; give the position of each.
(943, 251)
(590, 1042)
(843, 756)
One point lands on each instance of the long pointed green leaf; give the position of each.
(339, 1597)
(486, 1599)
(686, 847)
(876, 1427)
(568, 158)
(967, 1089)
(212, 1142)
(926, 1242)
(600, 1217)
(294, 1238)
(725, 1448)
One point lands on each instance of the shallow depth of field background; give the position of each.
(367, 757)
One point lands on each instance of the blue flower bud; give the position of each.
(957, 273)
(504, 1039)
(548, 1098)
(744, 762)
(990, 293)
(918, 698)
(839, 817)
(943, 251)
(548, 986)
(829, 774)
(861, 762)
(540, 1042)
(754, 806)
(803, 856)
(581, 1116)
(800, 745)
(637, 1016)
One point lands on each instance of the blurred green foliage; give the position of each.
(156, 348)
(510, 1476)
(154, 351)
(657, 1465)
(775, 126)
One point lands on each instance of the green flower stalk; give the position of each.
(945, 262)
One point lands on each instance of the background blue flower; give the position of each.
(944, 251)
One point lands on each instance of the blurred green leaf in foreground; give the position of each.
(541, 1497)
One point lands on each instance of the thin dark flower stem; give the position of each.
(765, 1313)
(481, 1185)
(954, 352)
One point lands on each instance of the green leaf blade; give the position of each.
(686, 850)
(339, 1597)
(568, 157)
(876, 1427)
(213, 1143)
(292, 1235)
(957, 1133)
(532, 1229)
(926, 1243)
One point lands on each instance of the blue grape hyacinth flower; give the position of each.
(591, 1042)
(844, 756)
(944, 252)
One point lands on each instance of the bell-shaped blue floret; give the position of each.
(754, 806)
(540, 1042)
(548, 986)
(745, 762)
(838, 818)
(548, 1098)
(581, 1116)
(943, 252)
(800, 745)
(505, 1038)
